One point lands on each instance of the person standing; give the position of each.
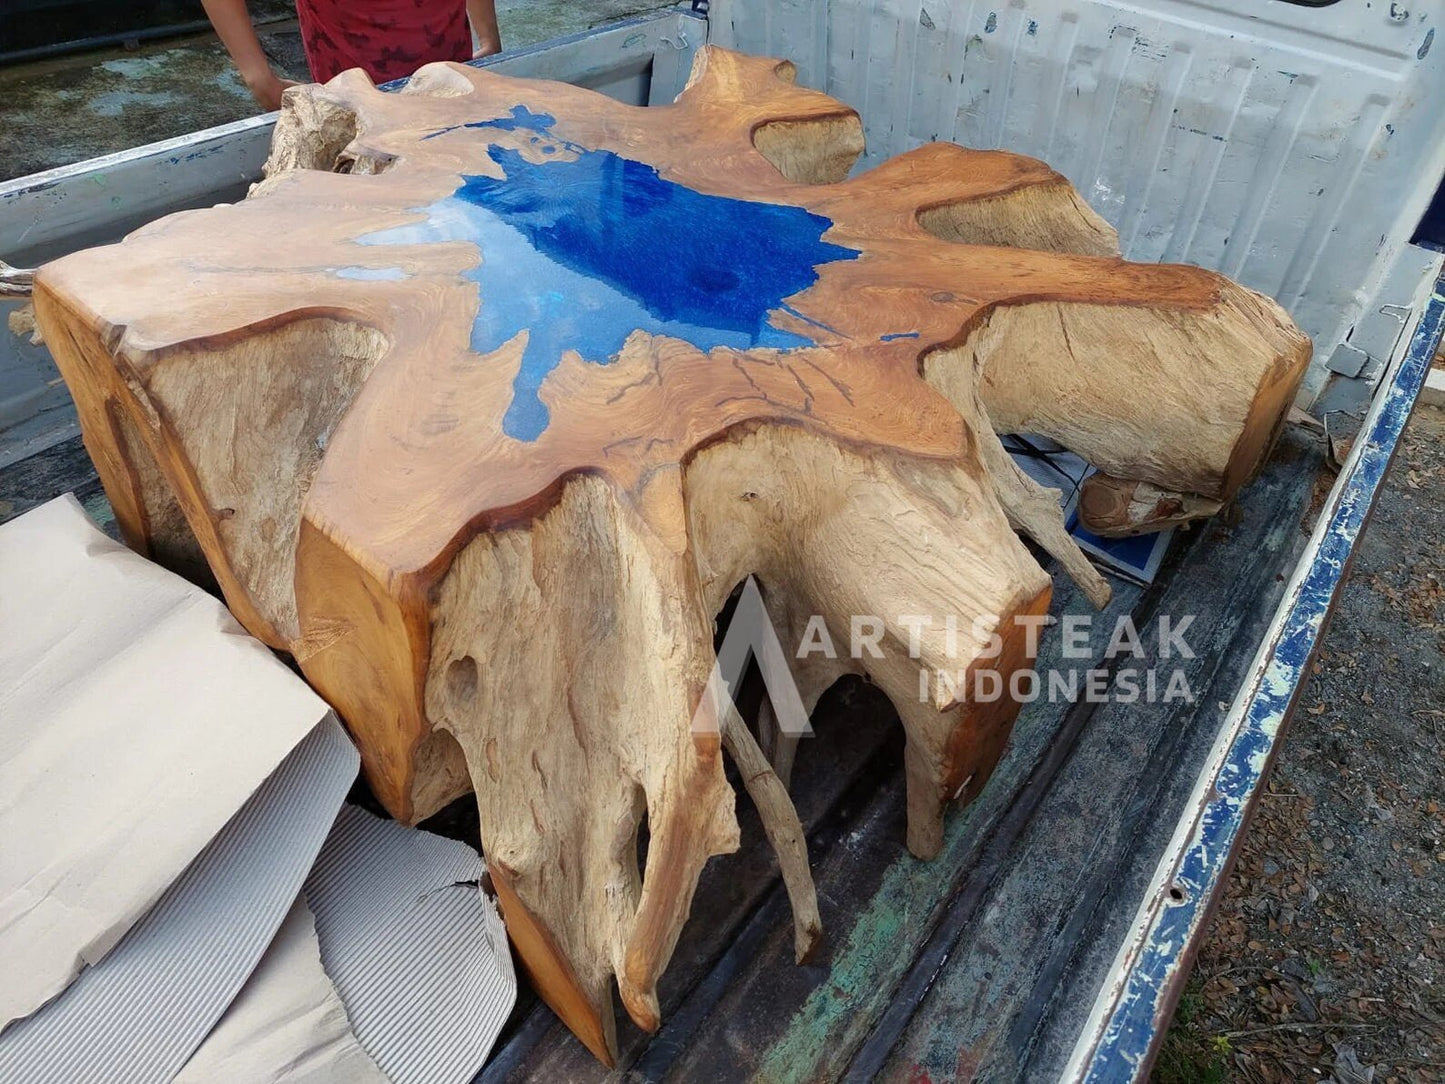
(388, 39)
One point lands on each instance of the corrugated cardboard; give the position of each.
(165, 787)
(287, 1026)
(136, 718)
(140, 1013)
(417, 952)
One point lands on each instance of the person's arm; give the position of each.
(233, 26)
(483, 16)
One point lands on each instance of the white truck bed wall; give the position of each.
(1291, 147)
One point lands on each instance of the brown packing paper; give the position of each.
(135, 718)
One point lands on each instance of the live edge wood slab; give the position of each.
(492, 391)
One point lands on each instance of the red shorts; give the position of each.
(389, 39)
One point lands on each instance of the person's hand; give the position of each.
(266, 87)
(482, 14)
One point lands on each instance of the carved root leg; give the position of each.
(597, 733)
(933, 670)
(813, 675)
(780, 748)
(1095, 375)
(785, 832)
(956, 737)
(1105, 352)
(606, 604)
(1034, 510)
(908, 566)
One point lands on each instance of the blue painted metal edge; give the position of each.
(1133, 1008)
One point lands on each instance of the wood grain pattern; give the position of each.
(492, 391)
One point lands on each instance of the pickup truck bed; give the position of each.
(993, 957)
(1052, 935)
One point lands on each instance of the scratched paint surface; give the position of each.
(581, 248)
(887, 934)
(1134, 1023)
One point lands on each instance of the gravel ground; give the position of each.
(1326, 959)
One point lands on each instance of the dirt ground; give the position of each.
(65, 110)
(1326, 959)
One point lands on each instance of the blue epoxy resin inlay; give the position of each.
(585, 247)
(371, 274)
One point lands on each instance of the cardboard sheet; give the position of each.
(417, 952)
(417, 975)
(140, 1013)
(166, 786)
(287, 1026)
(136, 717)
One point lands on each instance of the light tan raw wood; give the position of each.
(21, 322)
(1115, 508)
(778, 747)
(290, 390)
(785, 832)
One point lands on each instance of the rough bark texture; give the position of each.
(385, 410)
